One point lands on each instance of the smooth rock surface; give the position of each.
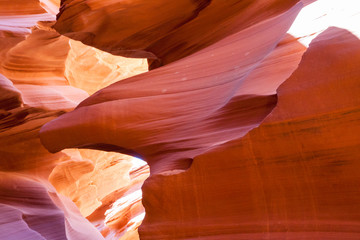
(174, 113)
(293, 177)
(249, 119)
(159, 29)
(34, 89)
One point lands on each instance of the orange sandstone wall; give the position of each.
(248, 120)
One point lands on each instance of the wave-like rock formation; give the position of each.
(159, 29)
(248, 119)
(174, 113)
(293, 177)
(44, 195)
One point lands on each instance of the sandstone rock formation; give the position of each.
(248, 119)
(162, 30)
(91, 69)
(34, 89)
(293, 177)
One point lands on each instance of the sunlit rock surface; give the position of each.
(91, 69)
(33, 210)
(249, 119)
(38, 60)
(293, 177)
(35, 89)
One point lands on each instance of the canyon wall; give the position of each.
(248, 119)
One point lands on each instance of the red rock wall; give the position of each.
(249, 131)
(159, 29)
(293, 177)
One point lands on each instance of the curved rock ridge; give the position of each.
(40, 59)
(159, 29)
(277, 185)
(18, 16)
(23, 112)
(249, 109)
(92, 176)
(174, 113)
(123, 209)
(33, 210)
(34, 89)
(295, 176)
(10, 96)
(250, 131)
(16, 20)
(20, 8)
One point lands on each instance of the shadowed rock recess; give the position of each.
(188, 119)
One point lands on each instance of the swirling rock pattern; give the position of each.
(248, 121)
(34, 90)
(293, 177)
(33, 211)
(91, 69)
(161, 30)
(159, 127)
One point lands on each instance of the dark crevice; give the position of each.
(202, 4)
(184, 164)
(111, 148)
(28, 223)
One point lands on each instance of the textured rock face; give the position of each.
(169, 135)
(159, 29)
(30, 210)
(91, 69)
(286, 175)
(35, 88)
(249, 122)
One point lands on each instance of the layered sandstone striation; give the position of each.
(248, 119)
(91, 69)
(293, 177)
(171, 114)
(40, 197)
(161, 30)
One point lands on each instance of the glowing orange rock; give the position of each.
(40, 59)
(171, 114)
(232, 154)
(91, 69)
(34, 59)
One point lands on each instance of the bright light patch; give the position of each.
(122, 203)
(137, 163)
(22, 23)
(322, 14)
(135, 222)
